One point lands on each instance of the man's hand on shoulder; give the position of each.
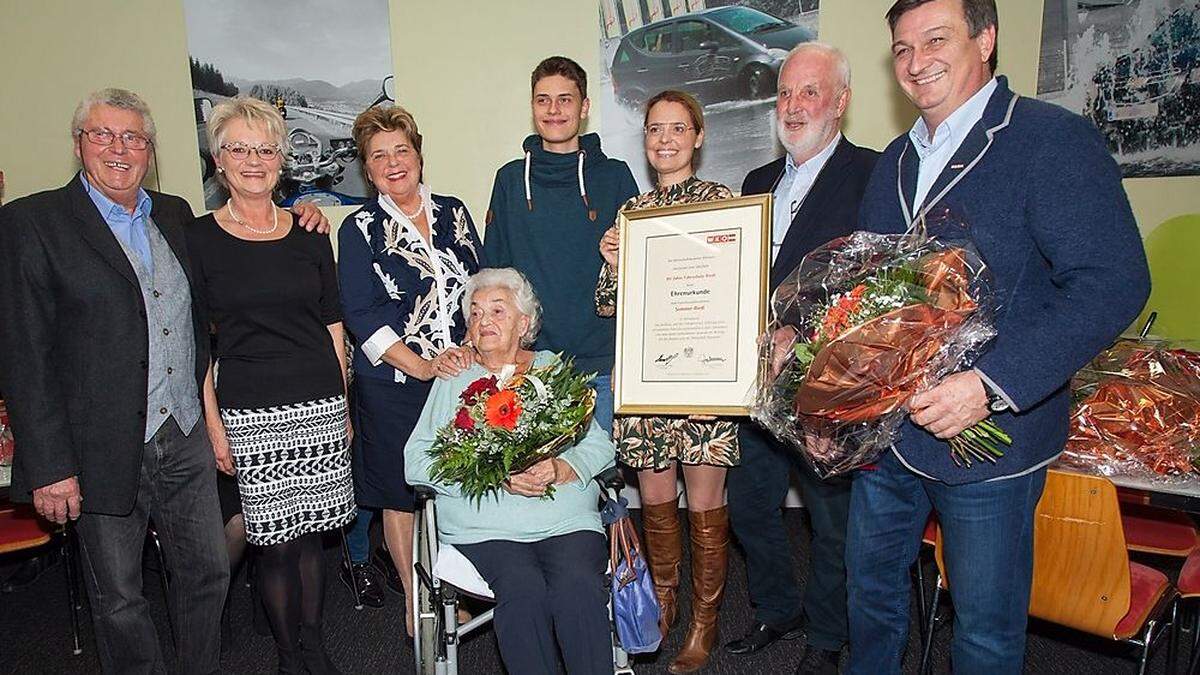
(957, 403)
(59, 501)
(310, 218)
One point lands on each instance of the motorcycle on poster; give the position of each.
(321, 164)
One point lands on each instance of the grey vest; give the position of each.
(171, 377)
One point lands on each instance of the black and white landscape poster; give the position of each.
(726, 53)
(320, 63)
(1133, 68)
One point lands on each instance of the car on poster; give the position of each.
(715, 54)
(726, 53)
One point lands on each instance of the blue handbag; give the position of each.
(635, 606)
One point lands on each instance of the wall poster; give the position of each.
(319, 63)
(727, 54)
(1133, 68)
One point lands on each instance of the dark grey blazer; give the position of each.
(73, 344)
(829, 211)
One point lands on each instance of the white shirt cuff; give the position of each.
(380, 341)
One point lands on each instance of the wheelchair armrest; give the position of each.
(424, 493)
(611, 479)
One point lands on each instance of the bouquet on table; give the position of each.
(1137, 413)
(506, 423)
(863, 323)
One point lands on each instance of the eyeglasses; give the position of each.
(106, 137)
(667, 129)
(239, 151)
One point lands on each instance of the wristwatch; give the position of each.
(995, 402)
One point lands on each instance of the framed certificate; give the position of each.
(691, 303)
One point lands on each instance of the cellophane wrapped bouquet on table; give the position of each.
(861, 325)
(508, 422)
(1137, 413)
(6, 446)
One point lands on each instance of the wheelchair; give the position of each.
(441, 574)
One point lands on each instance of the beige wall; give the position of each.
(54, 51)
(462, 67)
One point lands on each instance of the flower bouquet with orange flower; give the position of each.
(863, 323)
(506, 423)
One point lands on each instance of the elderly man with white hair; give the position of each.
(817, 188)
(102, 354)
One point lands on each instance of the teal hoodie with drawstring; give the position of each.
(547, 215)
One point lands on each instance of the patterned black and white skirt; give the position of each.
(293, 468)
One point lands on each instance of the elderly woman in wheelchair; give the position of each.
(544, 559)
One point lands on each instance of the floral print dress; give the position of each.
(655, 442)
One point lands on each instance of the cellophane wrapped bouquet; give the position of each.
(861, 325)
(506, 423)
(6, 445)
(1137, 413)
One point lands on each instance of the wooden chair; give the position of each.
(1082, 575)
(20, 530)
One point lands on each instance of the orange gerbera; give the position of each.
(503, 409)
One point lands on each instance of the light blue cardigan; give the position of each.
(506, 516)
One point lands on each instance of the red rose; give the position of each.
(463, 420)
(484, 385)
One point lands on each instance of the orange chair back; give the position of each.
(1080, 564)
(20, 528)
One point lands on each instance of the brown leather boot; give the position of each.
(664, 548)
(710, 557)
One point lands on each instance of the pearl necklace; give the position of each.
(420, 205)
(274, 219)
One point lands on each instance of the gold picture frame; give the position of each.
(691, 302)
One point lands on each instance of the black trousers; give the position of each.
(178, 492)
(757, 489)
(551, 588)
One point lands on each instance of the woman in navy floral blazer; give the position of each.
(403, 260)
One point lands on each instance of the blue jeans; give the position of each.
(358, 536)
(757, 489)
(988, 537)
(604, 402)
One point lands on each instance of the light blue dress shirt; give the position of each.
(129, 228)
(935, 153)
(791, 190)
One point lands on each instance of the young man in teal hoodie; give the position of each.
(547, 214)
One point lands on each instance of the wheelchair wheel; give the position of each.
(426, 612)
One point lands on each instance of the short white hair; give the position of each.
(522, 292)
(839, 58)
(115, 98)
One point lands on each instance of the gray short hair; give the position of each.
(839, 58)
(522, 291)
(116, 98)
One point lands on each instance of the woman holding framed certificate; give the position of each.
(654, 446)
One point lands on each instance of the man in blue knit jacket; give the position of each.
(1044, 204)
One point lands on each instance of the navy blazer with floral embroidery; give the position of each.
(388, 279)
